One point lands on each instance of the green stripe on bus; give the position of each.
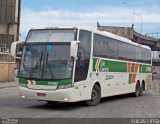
(110, 66)
(58, 82)
(132, 68)
(22, 80)
(140, 68)
(130, 78)
(146, 69)
(116, 66)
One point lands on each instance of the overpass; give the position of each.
(130, 33)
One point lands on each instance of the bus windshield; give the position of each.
(46, 54)
(45, 61)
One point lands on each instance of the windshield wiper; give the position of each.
(39, 60)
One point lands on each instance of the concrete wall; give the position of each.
(121, 31)
(7, 71)
(3, 28)
(10, 29)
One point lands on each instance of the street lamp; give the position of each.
(141, 19)
(132, 10)
(134, 13)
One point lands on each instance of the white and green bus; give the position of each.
(78, 64)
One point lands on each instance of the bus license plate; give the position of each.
(41, 94)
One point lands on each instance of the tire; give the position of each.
(95, 96)
(143, 83)
(137, 90)
(142, 88)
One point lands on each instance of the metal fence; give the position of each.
(154, 35)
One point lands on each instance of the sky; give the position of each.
(53, 13)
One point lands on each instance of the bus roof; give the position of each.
(104, 33)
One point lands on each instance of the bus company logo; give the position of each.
(53, 83)
(101, 66)
(97, 65)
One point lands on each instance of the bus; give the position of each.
(78, 64)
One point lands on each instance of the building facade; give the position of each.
(9, 26)
(9, 32)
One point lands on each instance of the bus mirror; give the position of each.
(16, 49)
(13, 49)
(74, 47)
(18, 55)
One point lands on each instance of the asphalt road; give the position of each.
(124, 106)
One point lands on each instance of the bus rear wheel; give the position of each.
(137, 90)
(95, 96)
(142, 87)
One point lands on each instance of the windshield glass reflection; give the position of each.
(46, 62)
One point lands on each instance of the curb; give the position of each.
(8, 87)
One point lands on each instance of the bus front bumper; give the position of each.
(62, 95)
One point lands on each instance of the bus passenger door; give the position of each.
(82, 64)
(81, 72)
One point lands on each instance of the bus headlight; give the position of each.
(65, 86)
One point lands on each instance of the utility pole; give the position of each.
(132, 11)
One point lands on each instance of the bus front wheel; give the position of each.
(95, 96)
